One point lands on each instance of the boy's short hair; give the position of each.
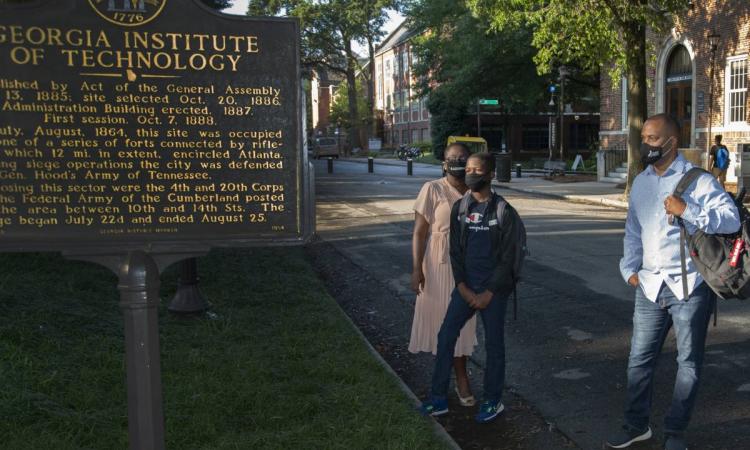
(487, 159)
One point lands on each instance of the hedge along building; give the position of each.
(679, 84)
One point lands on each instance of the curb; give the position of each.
(568, 197)
(437, 428)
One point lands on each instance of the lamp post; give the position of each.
(550, 133)
(563, 73)
(713, 40)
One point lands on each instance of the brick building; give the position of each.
(323, 89)
(679, 80)
(405, 119)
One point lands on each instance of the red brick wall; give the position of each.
(731, 19)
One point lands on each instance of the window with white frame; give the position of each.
(414, 102)
(379, 83)
(387, 68)
(736, 90)
(624, 103)
(404, 63)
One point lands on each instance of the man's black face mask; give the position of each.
(651, 154)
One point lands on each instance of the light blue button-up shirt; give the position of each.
(652, 245)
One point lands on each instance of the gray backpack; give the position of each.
(521, 250)
(711, 252)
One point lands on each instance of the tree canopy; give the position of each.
(459, 59)
(592, 34)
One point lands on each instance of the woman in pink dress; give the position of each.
(432, 278)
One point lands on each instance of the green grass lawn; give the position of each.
(279, 368)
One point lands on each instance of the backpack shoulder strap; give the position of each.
(687, 180)
(463, 209)
(500, 205)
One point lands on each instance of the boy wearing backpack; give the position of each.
(665, 298)
(487, 242)
(718, 160)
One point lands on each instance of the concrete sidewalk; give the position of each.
(592, 192)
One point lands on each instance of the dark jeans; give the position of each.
(493, 318)
(651, 323)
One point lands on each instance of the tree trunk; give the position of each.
(351, 80)
(637, 76)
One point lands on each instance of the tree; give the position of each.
(329, 28)
(459, 59)
(592, 34)
(340, 106)
(218, 4)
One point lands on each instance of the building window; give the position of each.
(404, 63)
(736, 87)
(387, 68)
(624, 104)
(404, 137)
(379, 84)
(415, 104)
(415, 136)
(535, 137)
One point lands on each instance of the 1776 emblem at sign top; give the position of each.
(129, 13)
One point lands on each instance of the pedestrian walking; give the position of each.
(663, 299)
(718, 160)
(432, 278)
(483, 232)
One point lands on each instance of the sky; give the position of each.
(394, 20)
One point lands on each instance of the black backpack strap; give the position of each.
(463, 209)
(683, 261)
(686, 181)
(500, 212)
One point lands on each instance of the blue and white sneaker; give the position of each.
(434, 407)
(489, 410)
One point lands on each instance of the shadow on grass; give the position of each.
(279, 367)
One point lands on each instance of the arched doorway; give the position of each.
(678, 90)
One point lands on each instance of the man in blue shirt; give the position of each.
(651, 264)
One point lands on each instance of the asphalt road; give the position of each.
(567, 352)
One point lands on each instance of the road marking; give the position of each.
(578, 335)
(572, 374)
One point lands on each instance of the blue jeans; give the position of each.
(651, 323)
(493, 318)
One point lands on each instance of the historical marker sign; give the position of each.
(148, 123)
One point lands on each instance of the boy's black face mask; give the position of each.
(476, 182)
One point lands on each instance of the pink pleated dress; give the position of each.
(434, 203)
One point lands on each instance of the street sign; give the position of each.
(488, 101)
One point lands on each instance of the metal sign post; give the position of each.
(168, 130)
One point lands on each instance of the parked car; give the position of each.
(325, 147)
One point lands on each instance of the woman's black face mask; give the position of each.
(456, 167)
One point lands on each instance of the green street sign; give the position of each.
(488, 101)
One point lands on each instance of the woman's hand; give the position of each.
(417, 281)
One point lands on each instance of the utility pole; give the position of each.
(479, 120)
(563, 73)
(713, 40)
